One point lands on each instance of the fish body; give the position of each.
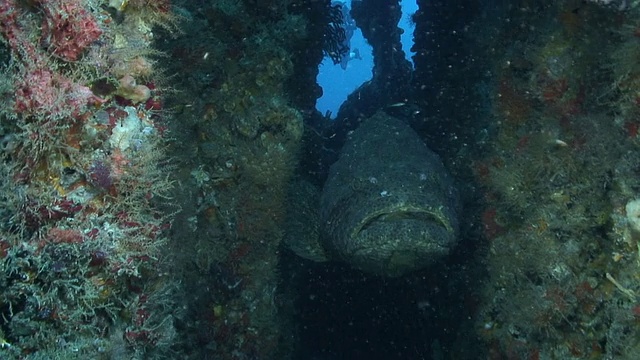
(388, 206)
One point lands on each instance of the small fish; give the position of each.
(397, 104)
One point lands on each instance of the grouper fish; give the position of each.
(388, 206)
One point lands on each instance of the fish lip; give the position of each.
(401, 213)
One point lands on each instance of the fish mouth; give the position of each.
(397, 215)
(394, 241)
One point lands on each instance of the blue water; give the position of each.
(337, 83)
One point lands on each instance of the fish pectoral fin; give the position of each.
(302, 235)
(310, 250)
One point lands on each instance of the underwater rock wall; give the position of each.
(99, 122)
(559, 181)
(237, 143)
(83, 175)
